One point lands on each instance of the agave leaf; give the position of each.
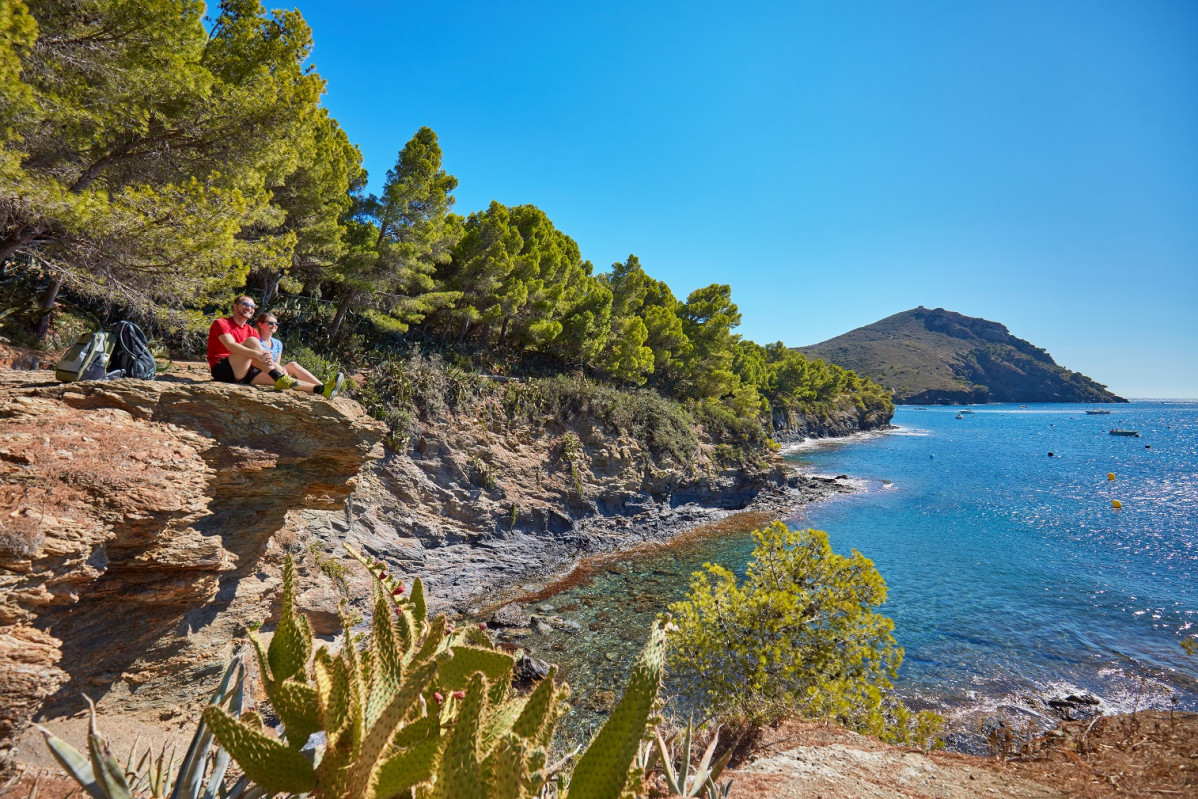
(191, 771)
(106, 768)
(667, 763)
(221, 763)
(74, 762)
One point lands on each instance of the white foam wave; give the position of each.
(809, 444)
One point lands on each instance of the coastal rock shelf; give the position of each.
(138, 518)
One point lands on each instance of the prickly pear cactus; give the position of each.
(419, 707)
(603, 770)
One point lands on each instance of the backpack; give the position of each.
(87, 359)
(131, 352)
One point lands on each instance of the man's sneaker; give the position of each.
(285, 382)
(333, 387)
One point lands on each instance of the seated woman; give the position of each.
(267, 325)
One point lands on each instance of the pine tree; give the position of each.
(397, 239)
(151, 144)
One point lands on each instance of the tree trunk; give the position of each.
(46, 306)
(462, 335)
(342, 309)
(270, 285)
(16, 241)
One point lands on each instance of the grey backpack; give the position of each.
(131, 352)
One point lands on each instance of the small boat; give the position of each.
(966, 411)
(1099, 412)
(1022, 406)
(959, 416)
(1129, 433)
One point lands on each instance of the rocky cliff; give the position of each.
(142, 524)
(840, 419)
(137, 523)
(930, 356)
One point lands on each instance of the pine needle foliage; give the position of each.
(799, 636)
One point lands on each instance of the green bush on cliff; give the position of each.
(664, 426)
(798, 637)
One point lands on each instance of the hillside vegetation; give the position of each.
(936, 356)
(156, 163)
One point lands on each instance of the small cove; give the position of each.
(1012, 579)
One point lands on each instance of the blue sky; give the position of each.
(1034, 163)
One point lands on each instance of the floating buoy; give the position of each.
(1110, 476)
(1116, 504)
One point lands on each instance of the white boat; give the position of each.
(1129, 433)
(1099, 412)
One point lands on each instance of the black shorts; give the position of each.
(222, 372)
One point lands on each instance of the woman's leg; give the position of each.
(263, 379)
(300, 373)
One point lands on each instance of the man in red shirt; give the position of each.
(235, 355)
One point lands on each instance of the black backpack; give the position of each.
(131, 352)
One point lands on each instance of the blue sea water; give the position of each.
(1010, 572)
(1011, 577)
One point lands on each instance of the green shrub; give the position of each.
(323, 367)
(664, 426)
(798, 637)
(400, 391)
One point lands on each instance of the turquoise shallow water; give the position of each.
(1011, 576)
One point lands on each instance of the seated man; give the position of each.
(235, 355)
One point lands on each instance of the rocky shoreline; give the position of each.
(513, 568)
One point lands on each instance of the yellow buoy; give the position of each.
(1110, 475)
(1116, 504)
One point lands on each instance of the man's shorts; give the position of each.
(222, 372)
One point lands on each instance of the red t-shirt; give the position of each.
(216, 348)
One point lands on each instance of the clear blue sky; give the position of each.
(1034, 163)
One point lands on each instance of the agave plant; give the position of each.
(675, 765)
(200, 775)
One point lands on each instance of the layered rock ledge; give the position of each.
(133, 520)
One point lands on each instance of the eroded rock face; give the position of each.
(134, 517)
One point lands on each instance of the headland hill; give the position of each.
(933, 356)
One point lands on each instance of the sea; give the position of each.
(1013, 578)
